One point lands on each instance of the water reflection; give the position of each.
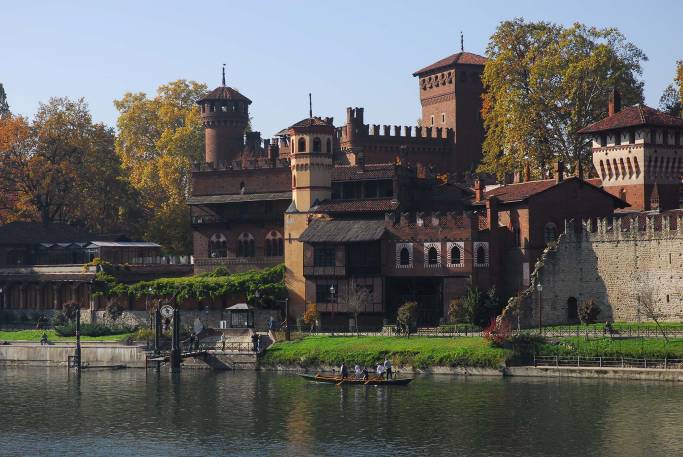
(133, 412)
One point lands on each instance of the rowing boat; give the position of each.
(372, 381)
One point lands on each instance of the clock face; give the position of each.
(166, 311)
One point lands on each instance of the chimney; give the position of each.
(360, 160)
(492, 213)
(508, 178)
(579, 169)
(477, 191)
(559, 171)
(614, 105)
(527, 172)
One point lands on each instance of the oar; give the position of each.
(340, 382)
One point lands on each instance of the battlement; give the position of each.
(355, 126)
(240, 165)
(431, 220)
(629, 227)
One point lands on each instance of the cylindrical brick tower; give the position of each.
(225, 115)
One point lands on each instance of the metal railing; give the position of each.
(605, 362)
(595, 332)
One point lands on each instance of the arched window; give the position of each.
(405, 257)
(432, 256)
(274, 244)
(301, 146)
(245, 245)
(549, 232)
(456, 256)
(572, 309)
(293, 181)
(328, 145)
(481, 255)
(218, 246)
(317, 146)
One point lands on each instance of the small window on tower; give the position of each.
(301, 146)
(316, 145)
(224, 108)
(328, 145)
(432, 120)
(443, 118)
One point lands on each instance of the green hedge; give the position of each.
(90, 330)
(269, 283)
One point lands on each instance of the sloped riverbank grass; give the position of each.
(655, 348)
(419, 352)
(34, 335)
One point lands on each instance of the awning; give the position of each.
(123, 244)
(238, 198)
(343, 231)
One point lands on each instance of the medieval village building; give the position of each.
(396, 210)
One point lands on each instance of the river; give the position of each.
(50, 412)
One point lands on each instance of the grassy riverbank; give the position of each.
(420, 352)
(617, 347)
(34, 335)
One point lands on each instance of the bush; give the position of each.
(218, 272)
(114, 311)
(70, 309)
(311, 315)
(588, 311)
(498, 334)
(407, 315)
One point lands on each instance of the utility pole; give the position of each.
(287, 334)
(157, 330)
(175, 348)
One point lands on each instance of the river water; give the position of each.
(48, 411)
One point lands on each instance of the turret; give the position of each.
(311, 154)
(225, 116)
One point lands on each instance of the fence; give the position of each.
(597, 332)
(605, 362)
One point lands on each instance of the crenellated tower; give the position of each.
(225, 116)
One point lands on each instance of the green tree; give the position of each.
(4, 106)
(671, 100)
(543, 82)
(158, 140)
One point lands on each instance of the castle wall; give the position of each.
(618, 265)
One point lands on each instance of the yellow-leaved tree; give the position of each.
(158, 140)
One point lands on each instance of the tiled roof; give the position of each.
(633, 116)
(522, 191)
(34, 233)
(369, 171)
(224, 93)
(358, 206)
(519, 191)
(343, 231)
(238, 198)
(463, 58)
(312, 122)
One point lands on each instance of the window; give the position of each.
(404, 255)
(218, 246)
(549, 232)
(322, 293)
(572, 309)
(516, 235)
(301, 146)
(245, 245)
(328, 145)
(317, 145)
(324, 257)
(432, 120)
(455, 254)
(443, 118)
(481, 253)
(274, 244)
(432, 254)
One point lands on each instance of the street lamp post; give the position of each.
(287, 334)
(77, 355)
(539, 287)
(2, 299)
(157, 330)
(333, 292)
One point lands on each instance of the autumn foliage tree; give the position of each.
(543, 82)
(62, 167)
(158, 140)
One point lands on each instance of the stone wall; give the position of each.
(616, 263)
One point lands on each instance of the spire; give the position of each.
(310, 106)
(462, 42)
(223, 75)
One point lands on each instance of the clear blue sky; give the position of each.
(346, 53)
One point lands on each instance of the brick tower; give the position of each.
(450, 95)
(636, 153)
(225, 115)
(311, 162)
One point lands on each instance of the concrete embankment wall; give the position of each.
(92, 354)
(643, 374)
